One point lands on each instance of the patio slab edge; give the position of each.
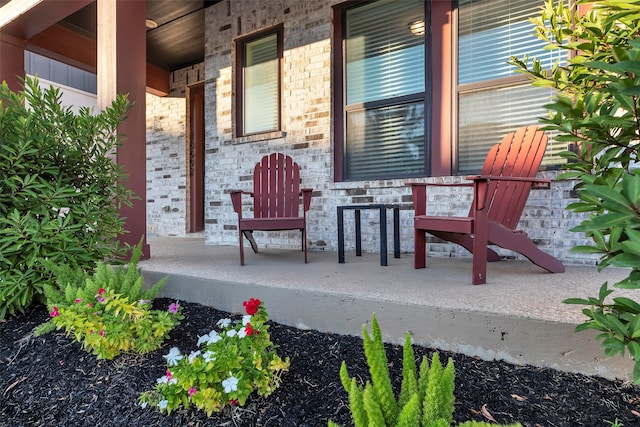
(490, 336)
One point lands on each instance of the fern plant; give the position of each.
(108, 311)
(426, 396)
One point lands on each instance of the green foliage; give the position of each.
(597, 111)
(60, 191)
(108, 311)
(425, 400)
(230, 365)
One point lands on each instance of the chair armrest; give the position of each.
(538, 183)
(439, 184)
(236, 200)
(306, 198)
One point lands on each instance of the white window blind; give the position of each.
(260, 85)
(385, 61)
(486, 116)
(490, 32)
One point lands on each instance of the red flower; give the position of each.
(251, 306)
(248, 329)
(101, 333)
(101, 291)
(54, 312)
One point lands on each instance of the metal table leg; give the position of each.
(383, 235)
(340, 235)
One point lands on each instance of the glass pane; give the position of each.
(487, 116)
(491, 32)
(386, 142)
(384, 50)
(260, 85)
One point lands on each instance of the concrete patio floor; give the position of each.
(517, 316)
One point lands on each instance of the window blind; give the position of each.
(386, 142)
(260, 85)
(490, 32)
(485, 117)
(385, 61)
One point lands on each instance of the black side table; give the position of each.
(383, 230)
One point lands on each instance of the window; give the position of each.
(258, 103)
(492, 99)
(382, 103)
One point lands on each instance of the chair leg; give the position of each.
(241, 249)
(304, 243)
(249, 235)
(480, 242)
(420, 251)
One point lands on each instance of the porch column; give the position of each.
(11, 61)
(122, 69)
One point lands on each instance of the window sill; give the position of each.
(259, 137)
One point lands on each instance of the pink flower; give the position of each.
(89, 305)
(77, 300)
(101, 333)
(101, 291)
(192, 391)
(54, 312)
(233, 402)
(173, 308)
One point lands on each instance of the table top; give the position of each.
(371, 206)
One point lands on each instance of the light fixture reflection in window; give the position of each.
(417, 28)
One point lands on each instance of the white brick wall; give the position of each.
(306, 124)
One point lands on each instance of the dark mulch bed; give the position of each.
(50, 380)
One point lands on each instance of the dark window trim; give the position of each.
(239, 45)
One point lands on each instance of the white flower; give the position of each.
(163, 404)
(62, 212)
(193, 355)
(209, 356)
(173, 357)
(143, 405)
(230, 384)
(242, 333)
(231, 333)
(210, 338)
(246, 319)
(223, 323)
(163, 380)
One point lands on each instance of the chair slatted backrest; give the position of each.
(276, 187)
(518, 155)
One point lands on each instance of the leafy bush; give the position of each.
(230, 365)
(597, 111)
(60, 191)
(426, 397)
(108, 311)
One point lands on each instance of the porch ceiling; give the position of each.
(178, 40)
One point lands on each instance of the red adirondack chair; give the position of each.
(500, 193)
(276, 198)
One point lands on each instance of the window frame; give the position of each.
(438, 95)
(240, 45)
(458, 90)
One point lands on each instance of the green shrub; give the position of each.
(60, 191)
(231, 364)
(597, 111)
(108, 311)
(426, 396)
